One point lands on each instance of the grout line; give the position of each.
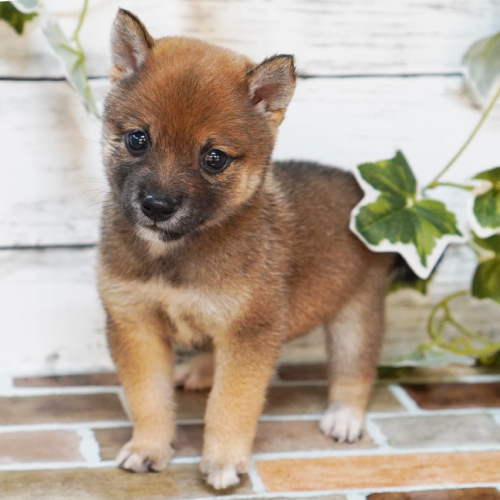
(58, 391)
(89, 446)
(123, 400)
(375, 432)
(70, 426)
(185, 460)
(8, 389)
(290, 418)
(450, 412)
(409, 404)
(485, 378)
(371, 416)
(255, 479)
(372, 452)
(55, 465)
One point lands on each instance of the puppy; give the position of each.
(205, 240)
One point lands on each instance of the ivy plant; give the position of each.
(67, 49)
(396, 215)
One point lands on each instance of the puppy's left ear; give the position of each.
(130, 45)
(271, 85)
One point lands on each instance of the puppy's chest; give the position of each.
(195, 312)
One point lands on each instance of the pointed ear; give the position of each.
(130, 45)
(271, 85)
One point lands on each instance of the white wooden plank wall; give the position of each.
(383, 74)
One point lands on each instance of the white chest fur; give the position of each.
(194, 312)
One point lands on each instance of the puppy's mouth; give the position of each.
(165, 235)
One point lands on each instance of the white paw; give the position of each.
(196, 374)
(223, 478)
(137, 459)
(342, 424)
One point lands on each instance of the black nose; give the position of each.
(158, 207)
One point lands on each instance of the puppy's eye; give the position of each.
(215, 160)
(137, 142)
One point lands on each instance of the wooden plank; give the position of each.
(52, 160)
(54, 170)
(328, 38)
(52, 320)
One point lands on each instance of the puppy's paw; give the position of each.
(137, 458)
(342, 423)
(223, 476)
(197, 373)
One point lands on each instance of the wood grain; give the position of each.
(54, 191)
(328, 38)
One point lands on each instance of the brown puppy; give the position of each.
(204, 240)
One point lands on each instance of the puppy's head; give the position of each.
(189, 129)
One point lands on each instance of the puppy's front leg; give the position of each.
(243, 368)
(145, 361)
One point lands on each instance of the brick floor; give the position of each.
(451, 450)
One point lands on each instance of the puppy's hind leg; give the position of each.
(353, 339)
(197, 373)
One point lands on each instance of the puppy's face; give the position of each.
(189, 129)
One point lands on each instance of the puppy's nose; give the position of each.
(158, 207)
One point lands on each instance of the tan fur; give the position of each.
(270, 255)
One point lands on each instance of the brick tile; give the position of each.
(313, 399)
(61, 408)
(111, 440)
(178, 481)
(464, 494)
(453, 395)
(299, 436)
(191, 404)
(379, 471)
(285, 401)
(271, 437)
(39, 446)
(425, 431)
(188, 441)
(408, 374)
(315, 371)
(69, 380)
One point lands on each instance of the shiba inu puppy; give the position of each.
(206, 241)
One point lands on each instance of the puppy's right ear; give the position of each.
(130, 45)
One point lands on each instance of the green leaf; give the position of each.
(419, 285)
(486, 279)
(15, 17)
(486, 204)
(73, 62)
(491, 244)
(481, 64)
(398, 221)
(26, 6)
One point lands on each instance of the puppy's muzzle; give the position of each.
(158, 207)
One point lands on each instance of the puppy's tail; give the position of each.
(403, 276)
(401, 271)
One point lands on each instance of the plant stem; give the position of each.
(83, 13)
(451, 184)
(485, 114)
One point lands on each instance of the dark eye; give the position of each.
(137, 142)
(215, 160)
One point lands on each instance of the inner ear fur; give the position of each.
(130, 44)
(271, 85)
